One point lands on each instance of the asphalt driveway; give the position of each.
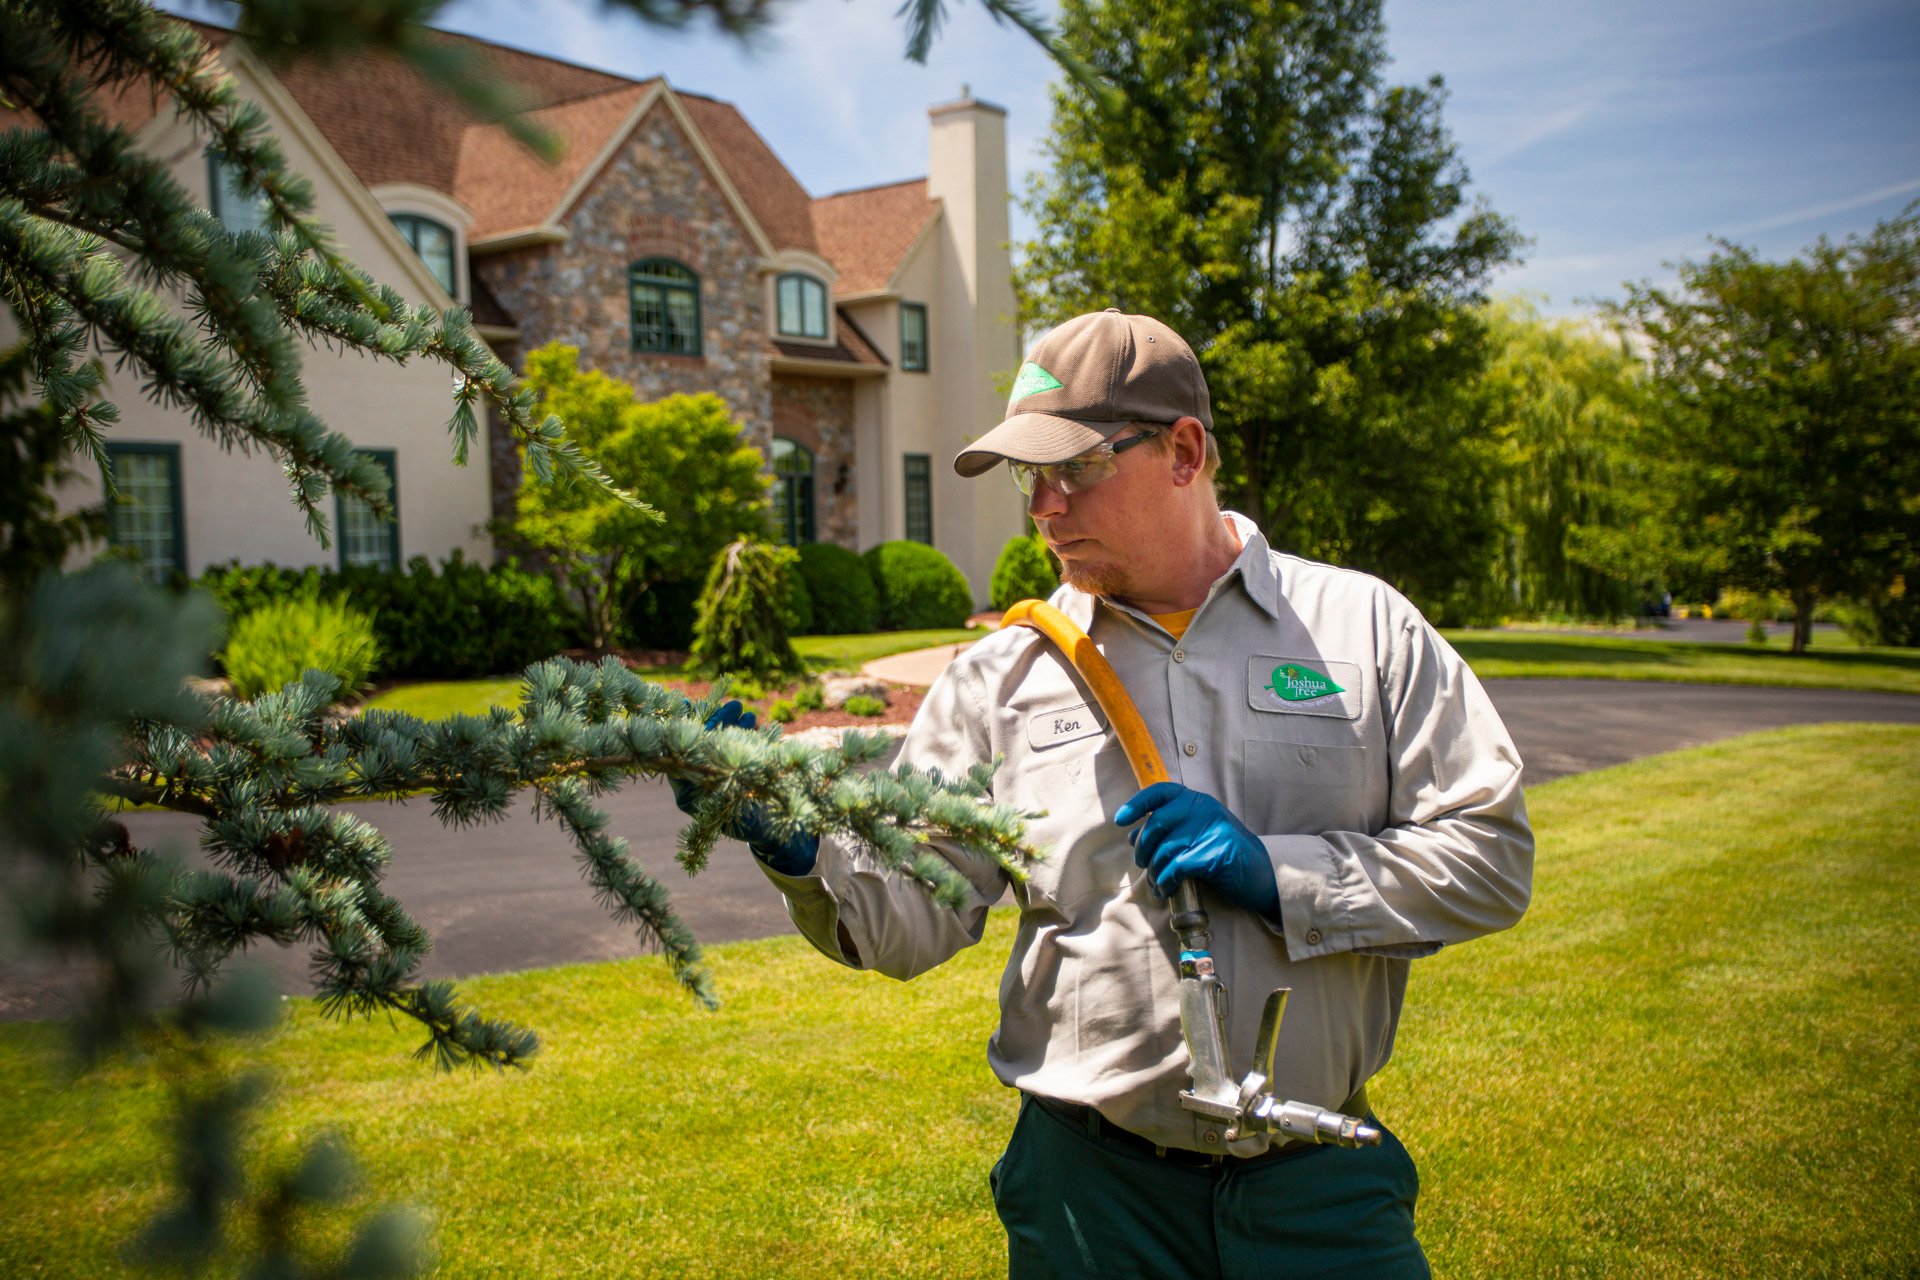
(510, 896)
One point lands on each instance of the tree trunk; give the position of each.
(1803, 602)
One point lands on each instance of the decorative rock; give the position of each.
(209, 688)
(837, 689)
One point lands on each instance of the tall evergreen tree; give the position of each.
(1306, 226)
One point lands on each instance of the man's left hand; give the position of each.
(1189, 835)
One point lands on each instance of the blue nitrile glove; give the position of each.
(792, 857)
(1189, 835)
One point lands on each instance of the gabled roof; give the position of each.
(866, 233)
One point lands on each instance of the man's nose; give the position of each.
(1045, 501)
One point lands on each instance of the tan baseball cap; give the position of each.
(1086, 380)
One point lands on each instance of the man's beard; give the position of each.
(1095, 579)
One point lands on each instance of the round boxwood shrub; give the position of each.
(799, 600)
(1023, 572)
(840, 590)
(271, 646)
(919, 588)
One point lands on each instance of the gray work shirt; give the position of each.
(1329, 716)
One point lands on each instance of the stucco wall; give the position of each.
(236, 506)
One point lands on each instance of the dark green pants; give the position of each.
(1076, 1206)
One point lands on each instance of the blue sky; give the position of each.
(1618, 134)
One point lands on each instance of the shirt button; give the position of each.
(1313, 937)
(1191, 749)
(1179, 655)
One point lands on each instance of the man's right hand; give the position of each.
(792, 857)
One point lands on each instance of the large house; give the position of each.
(857, 336)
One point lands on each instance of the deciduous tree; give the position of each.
(1782, 453)
(1306, 225)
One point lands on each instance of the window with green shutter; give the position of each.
(665, 296)
(913, 337)
(792, 491)
(145, 512)
(362, 536)
(919, 495)
(433, 241)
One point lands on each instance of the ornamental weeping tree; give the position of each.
(104, 257)
(741, 624)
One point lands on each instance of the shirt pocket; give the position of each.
(1298, 788)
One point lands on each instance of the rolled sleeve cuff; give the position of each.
(811, 904)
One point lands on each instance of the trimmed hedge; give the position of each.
(919, 588)
(840, 591)
(450, 623)
(1024, 571)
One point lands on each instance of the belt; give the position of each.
(1100, 1129)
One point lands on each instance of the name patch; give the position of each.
(1068, 724)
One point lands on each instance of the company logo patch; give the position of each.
(1032, 381)
(1292, 683)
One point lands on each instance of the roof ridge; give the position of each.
(873, 186)
(541, 57)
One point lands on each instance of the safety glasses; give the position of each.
(1075, 475)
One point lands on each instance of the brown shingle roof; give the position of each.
(851, 345)
(388, 125)
(866, 233)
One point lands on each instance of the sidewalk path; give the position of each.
(510, 896)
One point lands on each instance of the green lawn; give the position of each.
(1694, 1057)
(1533, 653)
(437, 699)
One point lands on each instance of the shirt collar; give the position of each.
(1253, 564)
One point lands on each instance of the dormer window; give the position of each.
(433, 241)
(666, 307)
(802, 307)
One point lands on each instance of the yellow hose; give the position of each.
(1107, 689)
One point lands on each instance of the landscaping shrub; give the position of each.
(1891, 617)
(1024, 571)
(459, 621)
(810, 696)
(741, 622)
(277, 642)
(799, 601)
(840, 590)
(919, 588)
(861, 705)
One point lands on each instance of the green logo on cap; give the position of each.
(1297, 684)
(1032, 381)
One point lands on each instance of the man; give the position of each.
(1345, 795)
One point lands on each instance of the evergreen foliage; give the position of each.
(1305, 225)
(1024, 571)
(103, 251)
(272, 646)
(840, 589)
(741, 626)
(684, 456)
(918, 587)
(1781, 449)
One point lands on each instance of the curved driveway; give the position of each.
(511, 897)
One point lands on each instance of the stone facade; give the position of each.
(818, 413)
(655, 198)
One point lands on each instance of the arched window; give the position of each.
(433, 241)
(666, 307)
(802, 307)
(792, 491)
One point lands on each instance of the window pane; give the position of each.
(791, 459)
(815, 294)
(801, 303)
(913, 337)
(144, 517)
(666, 307)
(364, 537)
(237, 212)
(790, 305)
(919, 497)
(433, 242)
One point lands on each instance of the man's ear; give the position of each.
(1189, 450)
